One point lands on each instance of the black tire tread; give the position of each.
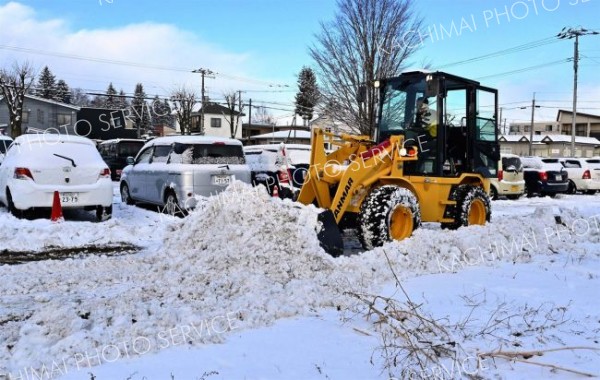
(464, 196)
(373, 225)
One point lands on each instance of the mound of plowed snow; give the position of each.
(241, 260)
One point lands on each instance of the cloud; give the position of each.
(25, 35)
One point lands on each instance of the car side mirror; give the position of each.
(130, 160)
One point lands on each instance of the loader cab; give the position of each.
(451, 120)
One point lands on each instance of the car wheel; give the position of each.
(103, 213)
(172, 205)
(528, 192)
(125, 195)
(286, 193)
(591, 192)
(472, 207)
(493, 193)
(11, 206)
(572, 188)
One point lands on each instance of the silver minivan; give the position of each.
(170, 171)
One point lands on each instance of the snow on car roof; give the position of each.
(272, 147)
(284, 134)
(276, 146)
(52, 138)
(168, 140)
(121, 140)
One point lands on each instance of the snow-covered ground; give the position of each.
(240, 289)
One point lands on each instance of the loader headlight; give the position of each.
(403, 152)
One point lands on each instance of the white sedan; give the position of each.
(37, 165)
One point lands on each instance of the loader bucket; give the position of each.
(330, 236)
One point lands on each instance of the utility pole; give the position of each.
(237, 119)
(208, 73)
(533, 107)
(531, 129)
(568, 33)
(250, 114)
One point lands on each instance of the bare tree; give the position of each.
(367, 40)
(79, 97)
(184, 100)
(15, 83)
(233, 99)
(262, 116)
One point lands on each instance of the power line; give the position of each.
(132, 64)
(514, 49)
(526, 69)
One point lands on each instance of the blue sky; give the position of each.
(260, 45)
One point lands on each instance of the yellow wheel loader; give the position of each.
(435, 148)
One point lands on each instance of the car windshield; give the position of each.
(200, 154)
(551, 160)
(511, 164)
(594, 163)
(552, 166)
(130, 148)
(531, 163)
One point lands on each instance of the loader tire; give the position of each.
(388, 213)
(472, 207)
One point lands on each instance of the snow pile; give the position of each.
(242, 260)
(512, 239)
(41, 234)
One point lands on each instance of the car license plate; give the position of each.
(514, 188)
(558, 177)
(69, 197)
(221, 179)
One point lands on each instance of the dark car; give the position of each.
(542, 178)
(115, 153)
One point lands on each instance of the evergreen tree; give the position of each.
(308, 93)
(63, 92)
(122, 102)
(161, 113)
(110, 100)
(170, 118)
(140, 110)
(46, 85)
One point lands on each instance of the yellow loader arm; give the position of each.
(339, 180)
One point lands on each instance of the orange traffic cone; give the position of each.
(275, 191)
(57, 214)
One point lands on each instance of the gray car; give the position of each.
(170, 171)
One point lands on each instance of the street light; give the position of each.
(567, 34)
